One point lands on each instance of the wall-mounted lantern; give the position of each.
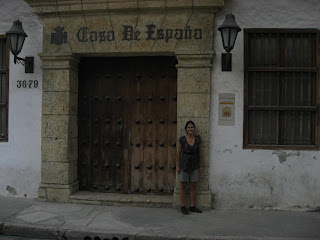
(229, 30)
(16, 36)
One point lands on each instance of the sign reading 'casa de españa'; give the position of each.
(128, 33)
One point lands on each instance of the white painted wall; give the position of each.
(242, 178)
(20, 158)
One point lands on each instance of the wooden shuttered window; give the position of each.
(4, 87)
(281, 92)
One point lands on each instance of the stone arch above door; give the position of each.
(119, 28)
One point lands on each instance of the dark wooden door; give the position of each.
(127, 124)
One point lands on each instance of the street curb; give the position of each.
(148, 237)
(24, 230)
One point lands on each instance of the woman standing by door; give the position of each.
(189, 165)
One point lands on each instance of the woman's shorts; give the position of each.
(192, 176)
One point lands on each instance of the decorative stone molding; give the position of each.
(203, 60)
(49, 7)
(54, 61)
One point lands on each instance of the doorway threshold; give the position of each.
(117, 199)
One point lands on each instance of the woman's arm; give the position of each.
(178, 157)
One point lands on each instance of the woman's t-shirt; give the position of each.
(190, 159)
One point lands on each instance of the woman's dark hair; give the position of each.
(188, 124)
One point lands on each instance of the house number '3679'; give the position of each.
(27, 83)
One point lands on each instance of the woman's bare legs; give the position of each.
(182, 193)
(192, 193)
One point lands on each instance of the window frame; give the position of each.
(277, 69)
(6, 71)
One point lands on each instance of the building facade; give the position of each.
(116, 81)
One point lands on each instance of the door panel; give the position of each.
(127, 124)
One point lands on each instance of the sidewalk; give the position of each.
(30, 218)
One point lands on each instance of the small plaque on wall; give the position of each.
(226, 109)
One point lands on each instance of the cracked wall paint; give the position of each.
(11, 190)
(283, 156)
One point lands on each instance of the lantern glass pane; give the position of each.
(233, 36)
(225, 36)
(13, 42)
(16, 43)
(20, 42)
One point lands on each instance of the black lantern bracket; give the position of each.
(27, 62)
(16, 36)
(226, 62)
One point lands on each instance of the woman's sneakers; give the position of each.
(191, 209)
(184, 210)
(194, 209)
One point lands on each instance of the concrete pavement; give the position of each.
(30, 218)
(2, 237)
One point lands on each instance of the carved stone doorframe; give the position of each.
(114, 28)
(60, 129)
(59, 144)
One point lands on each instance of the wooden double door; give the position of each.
(127, 124)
